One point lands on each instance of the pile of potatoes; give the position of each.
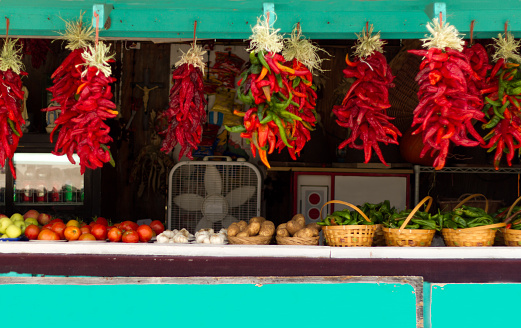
(257, 226)
(297, 227)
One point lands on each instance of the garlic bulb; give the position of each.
(200, 237)
(162, 239)
(180, 238)
(217, 238)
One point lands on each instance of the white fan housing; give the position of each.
(212, 194)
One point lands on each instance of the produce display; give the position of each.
(297, 227)
(503, 97)
(465, 217)
(377, 213)
(203, 236)
(447, 101)
(186, 112)
(363, 110)
(11, 99)
(420, 220)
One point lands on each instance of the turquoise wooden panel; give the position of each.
(231, 19)
(222, 305)
(471, 305)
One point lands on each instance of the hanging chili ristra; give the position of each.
(186, 112)
(364, 108)
(67, 77)
(502, 101)
(82, 128)
(446, 108)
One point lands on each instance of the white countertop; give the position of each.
(195, 250)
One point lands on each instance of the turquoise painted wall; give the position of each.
(223, 305)
(471, 305)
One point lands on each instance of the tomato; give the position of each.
(53, 221)
(114, 234)
(72, 233)
(47, 234)
(101, 220)
(87, 236)
(99, 231)
(32, 231)
(145, 233)
(128, 225)
(130, 236)
(85, 229)
(59, 228)
(157, 226)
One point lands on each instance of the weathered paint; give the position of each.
(230, 19)
(471, 305)
(210, 302)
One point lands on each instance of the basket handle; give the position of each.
(511, 209)
(415, 209)
(471, 197)
(510, 217)
(348, 204)
(489, 226)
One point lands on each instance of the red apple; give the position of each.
(3, 216)
(43, 218)
(32, 232)
(31, 214)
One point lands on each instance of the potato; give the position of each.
(253, 228)
(293, 226)
(233, 230)
(267, 229)
(314, 225)
(243, 233)
(281, 226)
(242, 225)
(282, 232)
(304, 233)
(300, 219)
(259, 219)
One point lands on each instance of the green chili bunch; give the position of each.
(377, 213)
(420, 220)
(465, 217)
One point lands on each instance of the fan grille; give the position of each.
(187, 179)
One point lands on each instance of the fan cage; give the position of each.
(188, 178)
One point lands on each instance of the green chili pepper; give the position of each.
(11, 124)
(253, 58)
(237, 128)
(255, 69)
(262, 60)
(282, 131)
(459, 221)
(296, 82)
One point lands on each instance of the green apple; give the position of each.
(17, 217)
(21, 225)
(3, 236)
(4, 223)
(13, 231)
(29, 221)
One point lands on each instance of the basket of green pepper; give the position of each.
(411, 228)
(378, 213)
(512, 231)
(468, 226)
(347, 228)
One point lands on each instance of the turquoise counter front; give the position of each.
(254, 286)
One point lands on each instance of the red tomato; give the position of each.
(157, 226)
(99, 231)
(59, 228)
(47, 226)
(114, 234)
(101, 220)
(128, 225)
(32, 231)
(85, 229)
(47, 234)
(145, 233)
(130, 236)
(53, 221)
(87, 236)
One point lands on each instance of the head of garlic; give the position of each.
(180, 238)
(162, 239)
(202, 237)
(217, 238)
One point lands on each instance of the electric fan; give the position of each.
(212, 194)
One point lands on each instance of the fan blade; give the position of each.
(239, 196)
(212, 181)
(228, 220)
(189, 202)
(204, 223)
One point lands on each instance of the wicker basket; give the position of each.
(255, 240)
(476, 236)
(410, 237)
(511, 237)
(297, 240)
(348, 235)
